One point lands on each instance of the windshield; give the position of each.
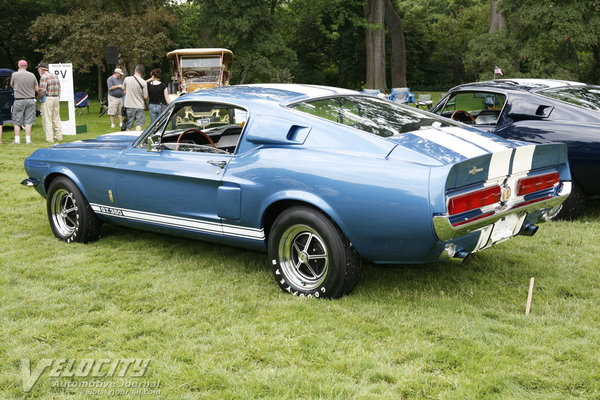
(582, 96)
(372, 115)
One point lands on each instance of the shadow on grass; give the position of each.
(375, 280)
(505, 264)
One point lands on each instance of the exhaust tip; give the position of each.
(529, 230)
(462, 255)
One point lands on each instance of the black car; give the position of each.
(6, 96)
(538, 111)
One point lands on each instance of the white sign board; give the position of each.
(65, 75)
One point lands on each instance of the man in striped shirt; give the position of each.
(50, 88)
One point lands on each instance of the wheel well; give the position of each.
(275, 209)
(50, 178)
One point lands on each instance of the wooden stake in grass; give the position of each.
(529, 295)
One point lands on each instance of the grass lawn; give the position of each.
(214, 324)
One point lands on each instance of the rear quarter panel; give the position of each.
(381, 205)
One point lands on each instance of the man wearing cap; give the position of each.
(115, 96)
(24, 85)
(50, 87)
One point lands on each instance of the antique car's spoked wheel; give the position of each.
(310, 256)
(64, 212)
(303, 257)
(71, 217)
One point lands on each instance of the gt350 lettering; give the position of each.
(111, 211)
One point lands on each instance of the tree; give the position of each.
(374, 12)
(81, 35)
(328, 38)
(497, 22)
(15, 44)
(546, 39)
(393, 21)
(251, 30)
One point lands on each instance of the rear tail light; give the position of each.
(536, 183)
(474, 200)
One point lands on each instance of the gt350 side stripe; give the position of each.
(180, 222)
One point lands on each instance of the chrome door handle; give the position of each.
(220, 164)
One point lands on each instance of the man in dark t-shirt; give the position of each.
(25, 86)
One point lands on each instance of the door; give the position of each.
(174, 182)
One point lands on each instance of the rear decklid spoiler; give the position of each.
(451, 145)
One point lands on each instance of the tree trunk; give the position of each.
(393, 21)
(374, 12)
(596, 70)
(100, 85)
(497, 22)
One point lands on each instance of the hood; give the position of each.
(112, 141)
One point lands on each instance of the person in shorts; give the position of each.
(25, 85)
(115, 96)
(135, 89)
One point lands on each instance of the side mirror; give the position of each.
(527, 110)
(152, 146)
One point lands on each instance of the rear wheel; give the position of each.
(70, 215)
(310, 256)
(574, 206)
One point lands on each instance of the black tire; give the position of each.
(310, 256)
(70, 215)
(574, 206)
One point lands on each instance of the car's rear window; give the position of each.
(371, 114)
(582, 96)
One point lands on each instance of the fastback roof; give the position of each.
(274, 93)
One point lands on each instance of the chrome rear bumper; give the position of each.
(446, 231)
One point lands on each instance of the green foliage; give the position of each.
(328, 38)
(81, 36)
(312, 41)
(15, 44)
(545, 39)
(253, 33)
(437, 34)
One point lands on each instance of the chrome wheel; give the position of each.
(303, 257)
(64, 213)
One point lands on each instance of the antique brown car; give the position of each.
(198, 69)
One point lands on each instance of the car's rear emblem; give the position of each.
(506, 194)
(475, 170)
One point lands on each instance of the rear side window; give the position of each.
(586, 97)
(481, 108)
(370, 114)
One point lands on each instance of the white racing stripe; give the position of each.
(451, 142)
(180, 222)
(500, 164)
(477, 139)
(523, 159)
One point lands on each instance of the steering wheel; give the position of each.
(195, 130)
(465, 113)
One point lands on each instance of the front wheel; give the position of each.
(71, 217)
(310, 256)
